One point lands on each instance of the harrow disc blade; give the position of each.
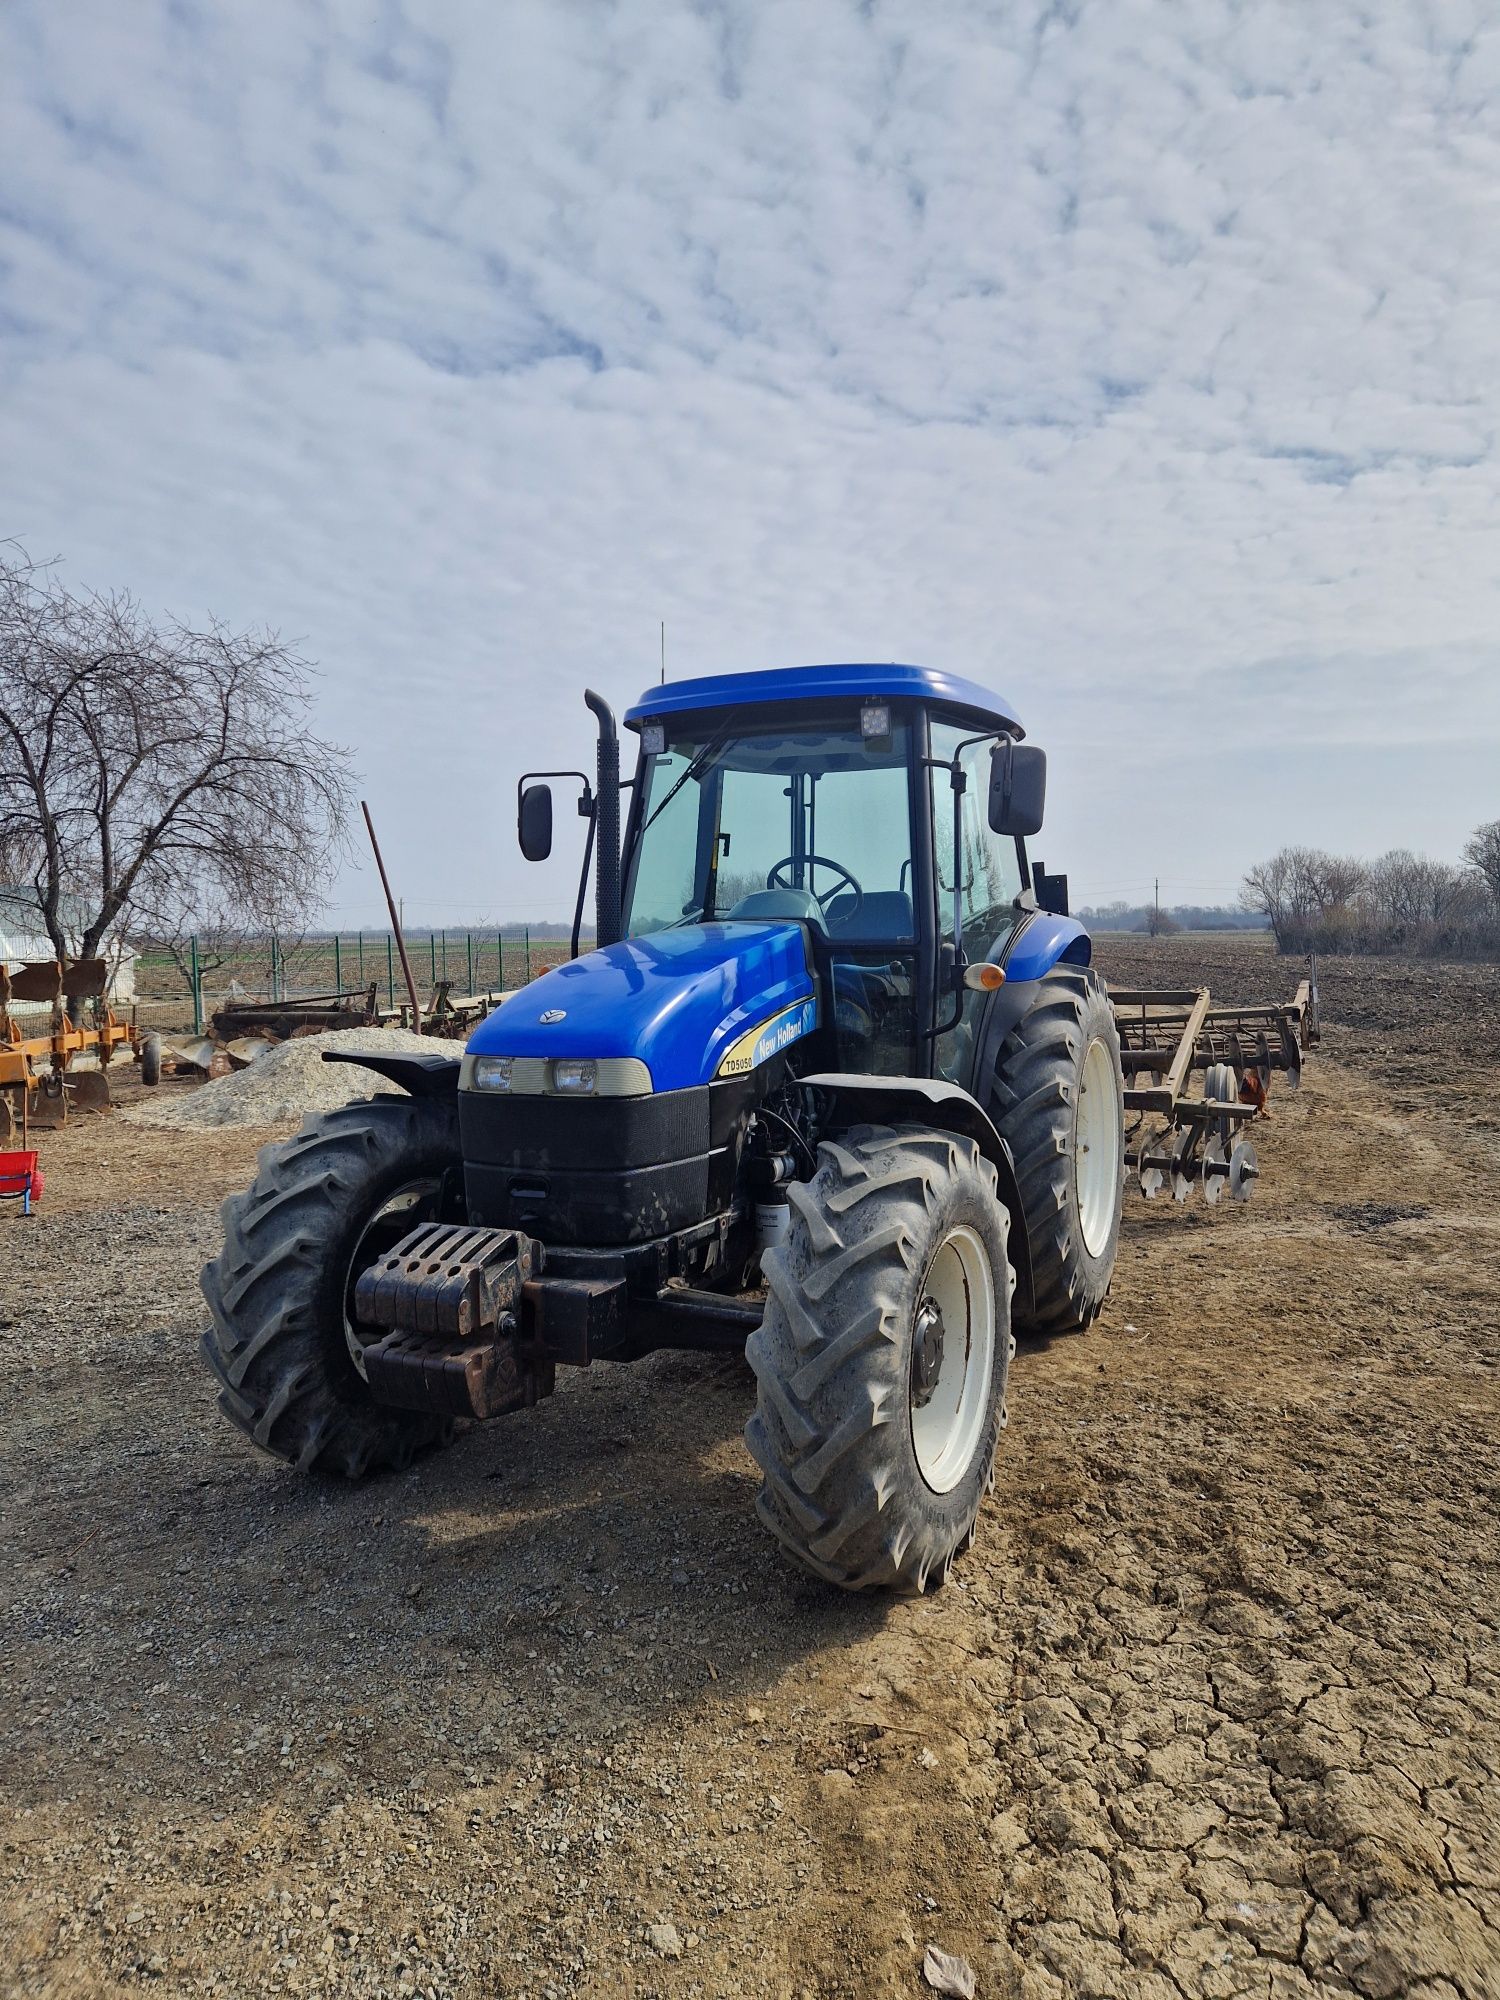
(1182, 1164)
(1215, 1169)
(1244, 1170)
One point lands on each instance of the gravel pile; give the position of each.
(288, 1081)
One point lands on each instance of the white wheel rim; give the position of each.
(1097, 1148)
(947, 1425)
(401, 1201)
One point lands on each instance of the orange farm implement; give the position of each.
(49, 1062)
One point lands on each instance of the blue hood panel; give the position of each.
(677, 999)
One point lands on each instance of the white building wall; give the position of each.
(18, 949)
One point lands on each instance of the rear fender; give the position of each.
(1042, 940)
(419, 1076)
(842, 1100)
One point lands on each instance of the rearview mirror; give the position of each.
(534, 822)
(1018, 787)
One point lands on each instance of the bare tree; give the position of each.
(1308, 896)
(1407, 898)
(1482, 852)
(152, 772)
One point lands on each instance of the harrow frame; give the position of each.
(1169, 1036)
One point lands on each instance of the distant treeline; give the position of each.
(1180, 917)
(1399, 903)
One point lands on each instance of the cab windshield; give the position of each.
(742, 816)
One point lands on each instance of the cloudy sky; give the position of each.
(1140, 360)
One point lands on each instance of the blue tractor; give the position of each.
(836, 1086)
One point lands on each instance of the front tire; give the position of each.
(322, 1207)
(883, 1358)
(1058, 1102)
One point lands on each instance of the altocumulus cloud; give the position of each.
(1138, 358)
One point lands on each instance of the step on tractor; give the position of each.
(837, 1087)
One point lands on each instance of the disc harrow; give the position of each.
(1168, 1038)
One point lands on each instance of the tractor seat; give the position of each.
(884, 917)
(794, 905)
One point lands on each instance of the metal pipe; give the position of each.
(607, 810)
(390, 903)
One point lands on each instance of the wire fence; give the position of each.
(204, 972)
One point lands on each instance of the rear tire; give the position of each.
(876, 1440)
(280, 1346)
(1068, 1146)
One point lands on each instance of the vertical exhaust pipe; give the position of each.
(607, 809)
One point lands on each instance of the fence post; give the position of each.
(445, 953)
(338, 966)
(499, 961)
(528, 954)
(469, 941)
(390, 970)
(197, 986)
(361, 958)
(275, 995)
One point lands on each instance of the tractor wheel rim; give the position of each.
(398, 1213)
(1096, 1152)
(948, 1419)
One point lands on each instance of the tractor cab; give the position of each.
(881, 809)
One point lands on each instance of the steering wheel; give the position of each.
(846, 880)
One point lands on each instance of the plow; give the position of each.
(65, 1066)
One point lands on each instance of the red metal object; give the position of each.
(21, 1179)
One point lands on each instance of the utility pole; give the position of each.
(664, 652)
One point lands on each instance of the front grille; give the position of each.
(604, 1170)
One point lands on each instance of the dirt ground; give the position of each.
(1212, 1708)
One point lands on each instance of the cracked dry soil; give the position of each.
(1212, 1710)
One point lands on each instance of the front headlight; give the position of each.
(575, 1078)
(492, 1072)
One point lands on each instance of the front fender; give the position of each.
(851, 1099)
(419, 1076)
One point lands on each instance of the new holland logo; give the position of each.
(552, 1016)
(751, 1050)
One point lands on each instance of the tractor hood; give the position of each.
(693, 1004)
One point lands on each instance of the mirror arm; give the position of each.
(585, 804)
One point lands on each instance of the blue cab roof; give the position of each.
(830, 683)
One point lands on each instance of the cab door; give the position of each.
(990, 879)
